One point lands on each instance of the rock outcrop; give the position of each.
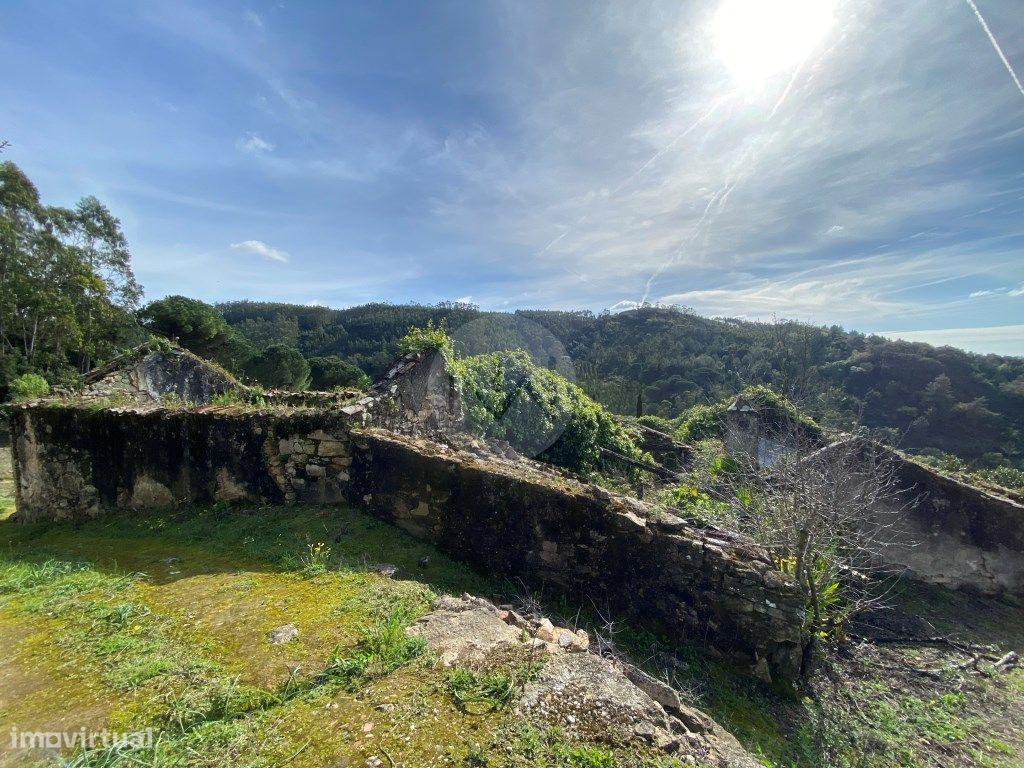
(587, 696)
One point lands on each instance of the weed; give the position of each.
(383, 647)
(583, 756)
(314, 561)
(476, 757)
(478, 691)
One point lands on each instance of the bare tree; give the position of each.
(828, 514)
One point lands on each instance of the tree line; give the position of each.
(663, 362)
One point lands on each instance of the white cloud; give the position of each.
(624, 305)
(254, 18)
(1018, 291)
(254, 144)
(260, 248)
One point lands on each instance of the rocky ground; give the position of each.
(567, 684)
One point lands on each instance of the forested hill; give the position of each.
(926, 397)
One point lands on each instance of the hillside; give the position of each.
(919, 396)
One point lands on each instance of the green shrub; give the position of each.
(28, 386)
(280, 367)
(508, 397)
(703, 422)
(331, 372)
(657, 422)
(1008, 477)
(428, 337)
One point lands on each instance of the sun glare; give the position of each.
(757, 39)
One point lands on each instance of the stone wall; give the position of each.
(147, 375)
(958, 535)
(416, 396)
(940, 530)
(516, 521)
(504, 516)
(75, 461)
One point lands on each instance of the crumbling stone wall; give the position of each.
(958, 535)
(148, 375)
(417, 396)
(503, 516)
(74, 461)
(513, 521)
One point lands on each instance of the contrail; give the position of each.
(995, 44)
(789, 87)
(625, 182)
(715, 198)
(667, 147)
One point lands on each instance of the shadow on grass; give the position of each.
(201, 539)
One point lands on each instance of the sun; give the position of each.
(757, 39)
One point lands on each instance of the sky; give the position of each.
(850, 162)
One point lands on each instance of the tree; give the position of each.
(198, 327)
(280, 367)
(66, 284)
(331, 372)
(939, 394)
(105, 251)
(827, 515)
(195, 325)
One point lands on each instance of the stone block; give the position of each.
(331, 448)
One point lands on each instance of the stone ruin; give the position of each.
(396, 452)
(150, 373)
(948, 532)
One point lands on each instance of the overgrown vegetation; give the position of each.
(28, 386)
(775, 412)
(508, 397)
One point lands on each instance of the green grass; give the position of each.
(383, 647)
(160, 621)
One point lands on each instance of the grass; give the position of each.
(480, 691)
(160, 621)
(383, 647)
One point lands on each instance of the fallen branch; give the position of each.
(987, 651)
(1008, 662)
(654, 469)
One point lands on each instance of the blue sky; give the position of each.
(861, 165)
